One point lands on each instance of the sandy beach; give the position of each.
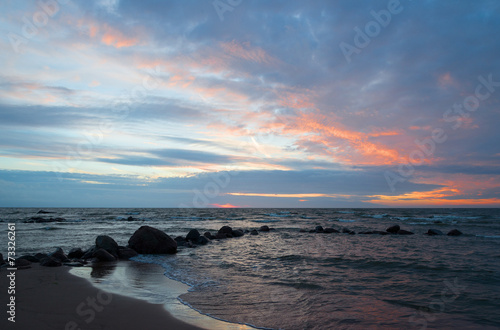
(52, 298)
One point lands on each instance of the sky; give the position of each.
(240, 103)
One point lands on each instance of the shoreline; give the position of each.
(50, 298)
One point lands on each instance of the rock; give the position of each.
(75, 253)
(43, 220)
(44, 212)
(107, 243)
(149, 240)
(264, 228)
(209, 235)
(50, 262)
(404, 232)
(225, 230)
(221, 236)
(202, 240)
(330, 230)
(59, 255)
(30, 258)
(73, 264)
(131, 219)
(103, 255)
(180, 240)
(302, 230)
(319, 229)
(193, 235)
(380, 232)
(40, 256)
(434, 232)
(89, 253)
(1, 259)
(254, 232)
(126, 253)
(393, 229)
(237, 233)
(22, 263)
(454, 232)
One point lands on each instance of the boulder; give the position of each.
(149, 240)
(180, 240)
(202, 240)
(89, 253)
(330, 230)
(264, 228)
(225, 230)
(302, 230)
(454, 232)
(103, 255)
(126, 253)
(348, 231)
(193, 235)
(40, 256)
(22, 263)
(434, 232)
(404, 232)
(254, 232)
(237, 233)
(393, 229)
(59, 255)
(50, 262)
(319, 229)
(75, 253)
(221, 236)
(30, 258)
(209, 235)
(107, 243)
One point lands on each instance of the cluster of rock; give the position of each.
(43, 220)
(394, 230)
(145, 240)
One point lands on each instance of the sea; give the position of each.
(292, 279)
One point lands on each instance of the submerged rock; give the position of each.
(393, 229)
(264, 228)
(454, 232)
(193, 235)
(237, 233)
(433, 232)
(404, 232)
(319, 229)
(254, 232)
(149, 240)
(330, 230)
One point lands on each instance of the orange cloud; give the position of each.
(113, 37)
(290, 195)
(225, 206)
(247, 52)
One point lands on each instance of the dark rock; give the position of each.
(454, 232)
(393, 229)
(75, 253)
(107, 243)
(434, 232)
(225, 230)
(254, 232)
(89, 253)
(50, 262)
(126, 253)
(264, 228)
(103, 255)
(22, 263)
(131, 219)
(237, 233)
(209, 235)
(193, 235)
(30, 258)
(149, 240)
(366, 232)
(346, 231)
(73, 264)
(221, 236)
(404, 232)
(43, 220)
(40, 256)
(1, 259)
(319, 229)
(59, 255)
(352, 232)
(180, 240)
(380, 232)
(302, 230)
(202, 240)
(44, 212)
(312, 231)
(330, 230)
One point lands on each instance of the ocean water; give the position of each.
(287, 279)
